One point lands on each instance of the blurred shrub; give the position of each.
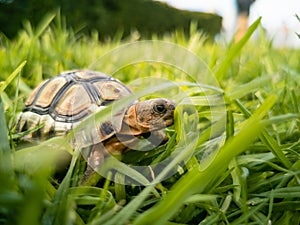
(107, 16)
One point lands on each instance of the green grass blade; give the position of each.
(124, 215)
(273, 145)
(44, 24)
(4, 146)
(119, 187)
(123, 169)
(242, 90)
(245, 216)
(43, 155)
(235, 51)
(6, 172)
(58, 212)
(229, 125)
(11, 77)
(266, 138)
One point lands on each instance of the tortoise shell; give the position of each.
(63, 101)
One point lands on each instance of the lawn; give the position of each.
(232, 156)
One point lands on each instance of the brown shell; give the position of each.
(63, 101)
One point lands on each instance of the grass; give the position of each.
(232, 155)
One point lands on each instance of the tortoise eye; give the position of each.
(159, 108)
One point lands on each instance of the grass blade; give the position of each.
(59, 211)
(242, 90)
(12, 76)
(44, 24)
(235, 51)
(272, 144)
(266, 138)
(6, 172)
(4, 146)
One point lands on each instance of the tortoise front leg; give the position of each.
(96, 156)
(94, 159)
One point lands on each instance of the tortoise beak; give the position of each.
(169, 116)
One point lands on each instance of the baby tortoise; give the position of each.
(59, 104)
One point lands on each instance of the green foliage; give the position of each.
(107, 17)
(248, 177)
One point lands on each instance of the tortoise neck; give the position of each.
(131, 123)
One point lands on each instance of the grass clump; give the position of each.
(232, 155)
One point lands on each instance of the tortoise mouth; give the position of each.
(169, 120)
(169, 117)
(164, 122)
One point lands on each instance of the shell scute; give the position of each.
(111, 90)
(84, 75)
(49, 91)
(33, 94)
(74, 101)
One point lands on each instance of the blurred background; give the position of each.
(223, 19)
(278, 16)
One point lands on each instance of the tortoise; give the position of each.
(60, 103)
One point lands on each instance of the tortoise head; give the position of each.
(150, 115)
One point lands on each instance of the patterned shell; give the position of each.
(63, 101)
